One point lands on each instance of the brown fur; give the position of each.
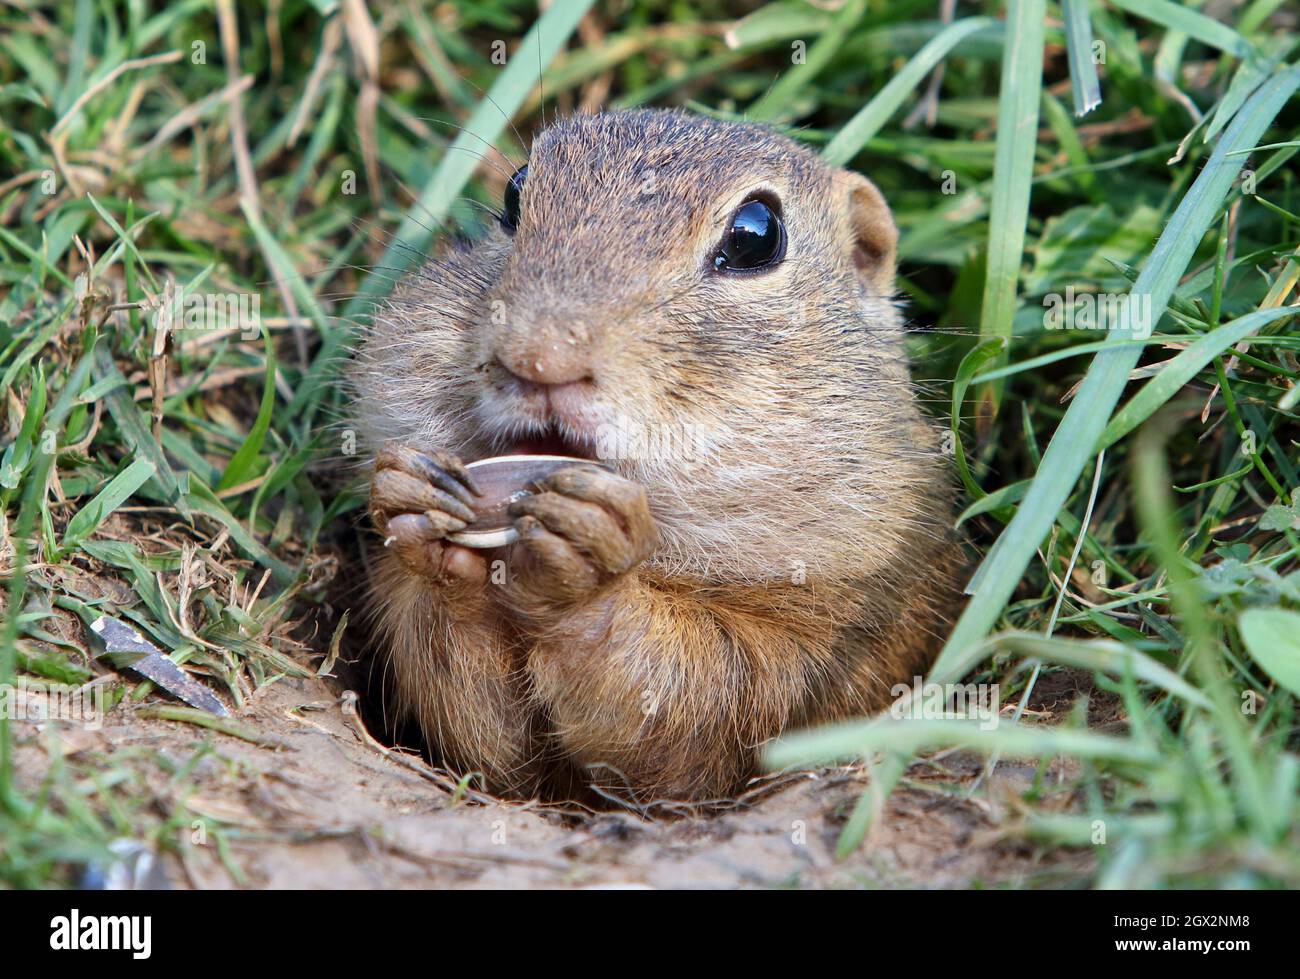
(658, 626)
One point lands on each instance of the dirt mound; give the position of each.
(294, 792)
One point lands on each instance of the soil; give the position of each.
(307, 798)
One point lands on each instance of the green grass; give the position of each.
(121, 185)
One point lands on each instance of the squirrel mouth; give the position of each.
(553, 442)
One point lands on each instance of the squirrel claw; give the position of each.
(443, 470)
(416, 500)
(583, 528)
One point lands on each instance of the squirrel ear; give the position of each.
(875, 237)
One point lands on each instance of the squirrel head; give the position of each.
(631, 228)
(706, 306)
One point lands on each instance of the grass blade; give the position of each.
(1018, 99)
(244, 462)
(88, 518)
(858, 739)
(1201, 650)
(1193, 23)
(1181, 369)
(484, 127)
(1076, 437)
(135, 432)
(977, 357)
(774, 103)
(871, 117)
(1098, 655)
(1084, 83)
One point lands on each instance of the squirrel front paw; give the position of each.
(416, 499)
(581, 529)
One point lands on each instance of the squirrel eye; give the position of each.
(510, 213)
(755, 240)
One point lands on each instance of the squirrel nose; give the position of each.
(548, 353)
(545, 373)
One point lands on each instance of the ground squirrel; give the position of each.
(656, 279)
